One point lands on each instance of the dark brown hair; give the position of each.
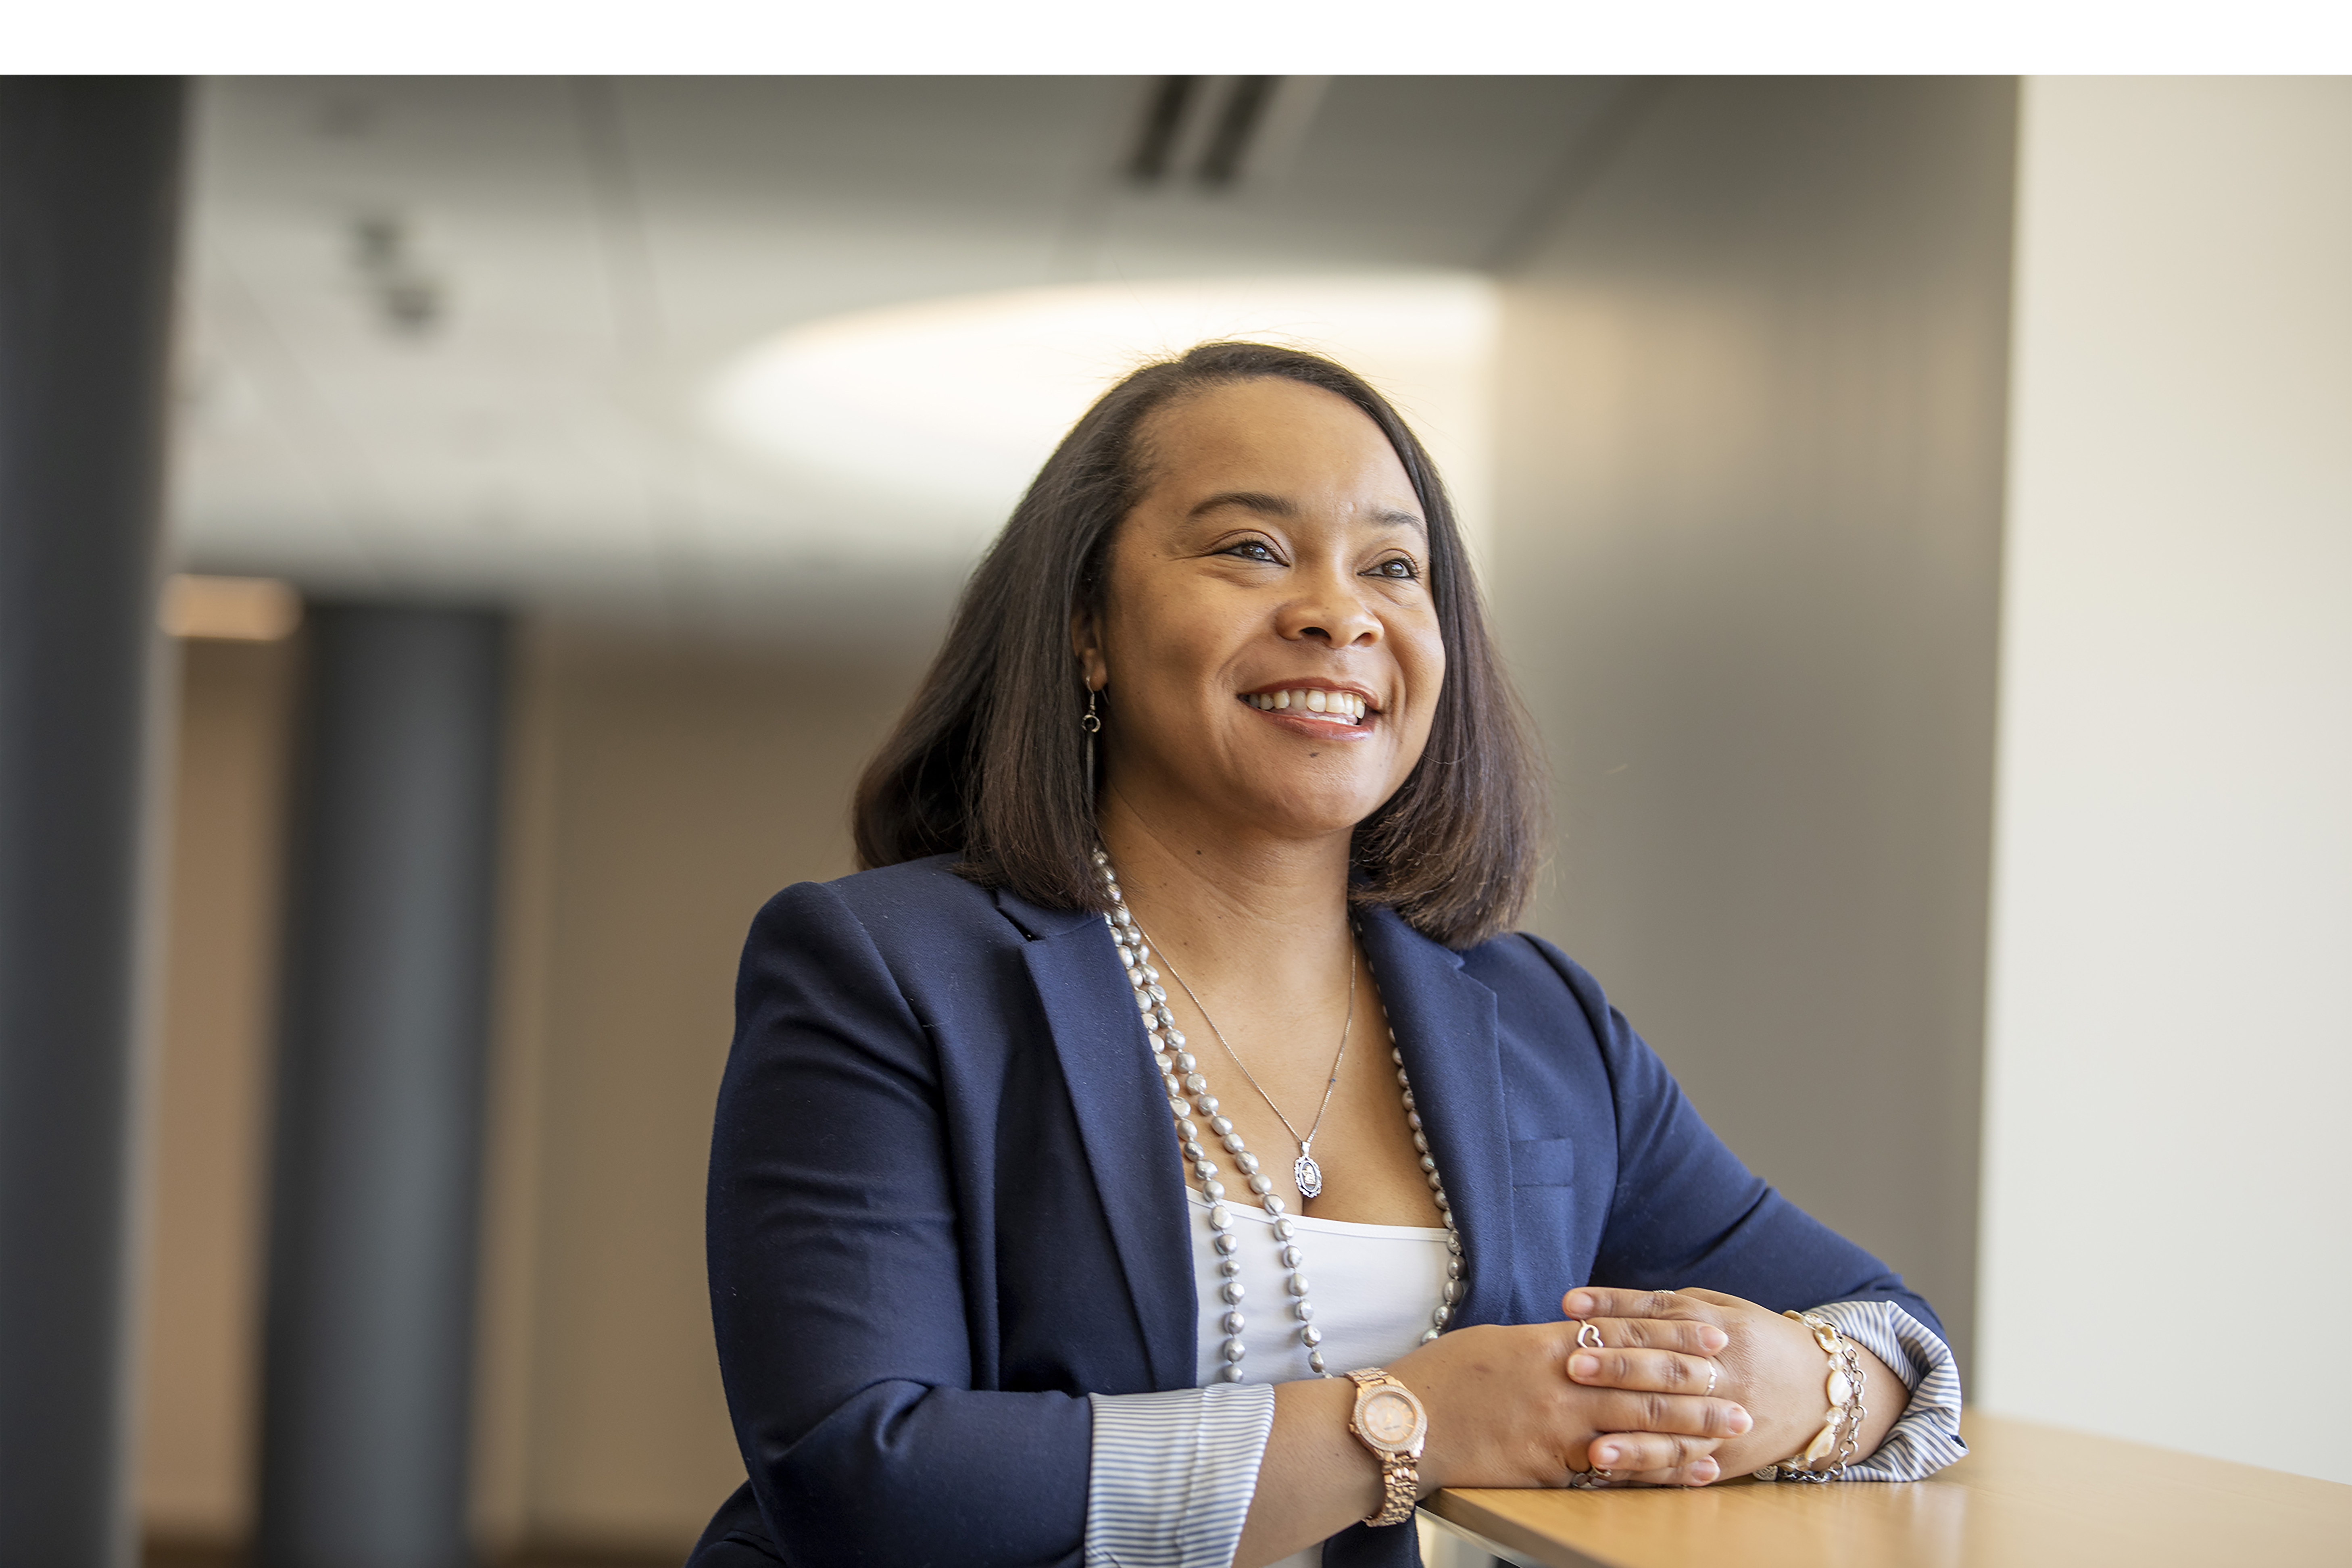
(987, 761)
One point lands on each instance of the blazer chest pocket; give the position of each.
(1543, 1163)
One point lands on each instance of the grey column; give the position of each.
(89, 192)
(384, 1022)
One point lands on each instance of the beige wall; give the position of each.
(1750, 464)
(201, 1329)
(658, 795)
(663, 793)
(2169, 1057)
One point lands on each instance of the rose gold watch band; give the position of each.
(1400, 1489)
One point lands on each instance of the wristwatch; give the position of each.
(1390, 1421)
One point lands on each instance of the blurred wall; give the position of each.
(659, 794)
(2169, 1056)
(201, 1316)
(1749, 474)
(662, 792)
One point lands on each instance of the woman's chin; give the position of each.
(1283, 809)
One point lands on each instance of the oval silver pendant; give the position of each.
(1308, 1174)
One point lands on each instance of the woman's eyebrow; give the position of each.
(1254, 500)
(1281, 506)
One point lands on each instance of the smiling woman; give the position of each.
(1218, 750)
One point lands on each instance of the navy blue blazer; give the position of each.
(943, 1209)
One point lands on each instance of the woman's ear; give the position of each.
(1086, 643)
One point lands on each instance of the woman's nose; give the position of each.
(1332, 613)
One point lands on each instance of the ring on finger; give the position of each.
(1594, 1343)
(1580, 1479)
(1714, 1371)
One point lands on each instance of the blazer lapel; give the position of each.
(1446, 1027)
(1123, 1124)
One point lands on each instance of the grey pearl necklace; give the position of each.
(1188, 1095)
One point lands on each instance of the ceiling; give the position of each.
(457, 338)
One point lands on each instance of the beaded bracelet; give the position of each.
(1842, 1429)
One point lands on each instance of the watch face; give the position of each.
(1388, 1419)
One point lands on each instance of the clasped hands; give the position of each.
(1688, 1386)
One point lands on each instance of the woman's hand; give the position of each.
(1505, 1411)
(1768, 1363)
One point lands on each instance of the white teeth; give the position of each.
(1339, 704)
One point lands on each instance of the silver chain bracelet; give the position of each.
(1840, 1430)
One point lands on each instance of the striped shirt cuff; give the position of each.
(1170, 1475)
(1928, 1438)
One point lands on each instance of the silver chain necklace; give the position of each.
(1303, 1171)
(1180, 1074)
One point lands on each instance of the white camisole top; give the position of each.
(1374, 1287)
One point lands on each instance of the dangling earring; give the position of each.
(1091, 725)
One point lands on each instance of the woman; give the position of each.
(1094, 1175)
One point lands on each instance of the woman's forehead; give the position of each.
(1276, 445)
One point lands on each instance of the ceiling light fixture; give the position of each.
(950, 406)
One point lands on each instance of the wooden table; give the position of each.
(2026, 1495)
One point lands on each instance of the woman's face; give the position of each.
(1267, 646)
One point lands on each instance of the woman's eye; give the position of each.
(1253, 549)
(1397, 567)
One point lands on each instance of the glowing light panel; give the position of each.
(950, 405)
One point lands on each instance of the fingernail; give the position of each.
(1714, 1340)
(1606, 1454)
(1741, 1421)
(1579, 1304)
(1583, 1365)
(1705, 1470)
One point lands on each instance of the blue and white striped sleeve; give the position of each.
(1928, 1438)
(1170, 1475)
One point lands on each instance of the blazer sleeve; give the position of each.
(1685, 1210)
(836, 1285)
